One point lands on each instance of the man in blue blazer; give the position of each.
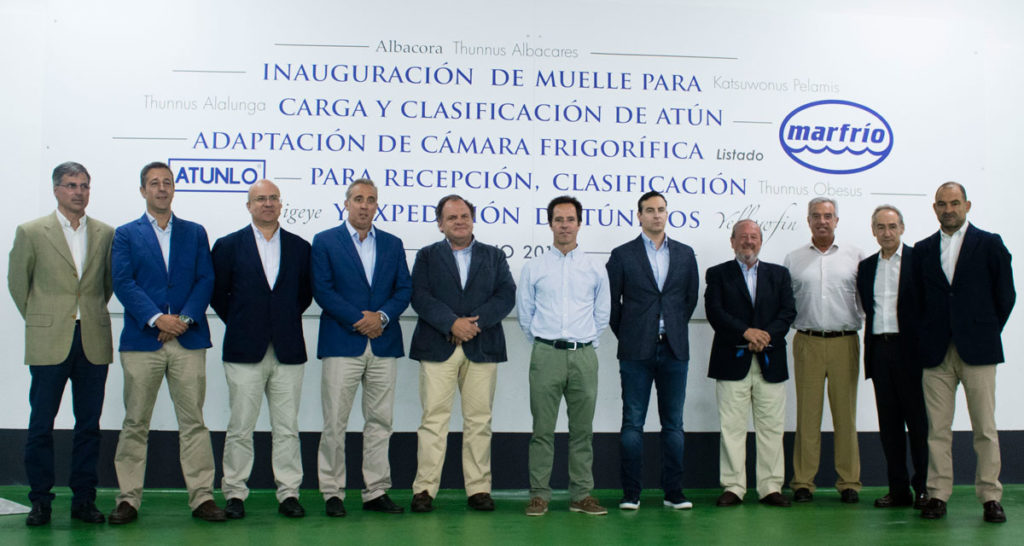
(750, 306)
(966, 297)
(361, 280)
(653, 282)
(163, 276)
(462, 289)
(891, 360)
(261, 288)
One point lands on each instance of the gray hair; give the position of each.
(358, 181)
(880, 208)
(820, 200)
(69, 168)
(736, 226)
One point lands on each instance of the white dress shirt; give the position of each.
(270, 253)
(949, 250)
(887, 290)
(749, 277)
(163, 238)
(564, 296)
(77, 243)
(825, 287)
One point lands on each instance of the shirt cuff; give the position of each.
(152, 320)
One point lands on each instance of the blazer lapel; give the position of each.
(152, 244)
(348, 246)
(448, 259)
(55, 234)
(741, 284)
(92, 248)
(252, 256)
(966, 249)
(640, 255)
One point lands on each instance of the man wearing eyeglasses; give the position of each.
(262, 287)
(59, 277)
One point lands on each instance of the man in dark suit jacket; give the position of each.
(653, 283)
(891, 360)
(461, 290)
(59, 277)
(163, 276)
(750, 306)
(966, 297)
(261, 288)
(361, 281)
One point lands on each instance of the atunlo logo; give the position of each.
(836, 136)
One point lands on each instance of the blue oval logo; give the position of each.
(836, 137)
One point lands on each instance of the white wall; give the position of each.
(945, 76)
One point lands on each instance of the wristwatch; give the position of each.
(186, 319)
(383, 319)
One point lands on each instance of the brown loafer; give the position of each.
(209, 511)
(729, 499)
(775, 499)
(124, 513)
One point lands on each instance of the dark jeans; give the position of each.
(87, 385)
(669, 377)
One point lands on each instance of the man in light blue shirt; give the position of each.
(563, 305)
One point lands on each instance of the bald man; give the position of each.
(262, 287)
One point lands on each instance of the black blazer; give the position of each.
(727, 302)
(973, 310)
(438, 298)
(254, 314)
(906, 303)
(637, 303)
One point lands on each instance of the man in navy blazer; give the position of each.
(361, 281)
(891, 360)
(462, 289)
(966, 296)
(750, 305)
(163, 275)
(653, 282)
(262, 286)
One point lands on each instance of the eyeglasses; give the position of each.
(264, 198)
(71, 186)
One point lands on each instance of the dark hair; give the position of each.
(561, 200)
(150, 167)
(452, 197)
(646, 196)
(951, 184)
(69, 168)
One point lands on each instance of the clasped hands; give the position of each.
(170, 327)
(757, 339)
(371, 325)
(464, 329)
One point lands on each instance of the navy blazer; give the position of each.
(341, 290)
(906, 303)
(145, 287)
(973, 310)
(254, 314)
(438, 298)
(637, 303)
(730, 312)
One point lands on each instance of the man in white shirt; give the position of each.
(825, 347)
(891, 359)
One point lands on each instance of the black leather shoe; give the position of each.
(87, 513)
(934, 509)
(234, 509)
(728, 499)
(920, 500)
(849, 496)
(894, 501)
(124, 513)
(482, 502)
(775, 499)
(291, 508)
(209, 511)
(803, 495)
(335, 507)
(422, 502)
(994, 512)
(39, 515)
(383, 504)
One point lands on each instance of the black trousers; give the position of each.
(900, 401)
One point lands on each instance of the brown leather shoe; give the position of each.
(775, 499)
(422, 502)
(729, 499)
(209, 511)
(481, 502)
(124, 513)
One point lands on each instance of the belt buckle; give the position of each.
(571, 345)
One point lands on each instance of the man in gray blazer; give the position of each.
(653, 283)
(59, 277)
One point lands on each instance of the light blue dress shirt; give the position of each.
(564, 296)
(367, 250)
(750, 277)
(462, 259)
(658, 257)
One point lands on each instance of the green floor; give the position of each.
(165, 519)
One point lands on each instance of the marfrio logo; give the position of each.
(836, 136)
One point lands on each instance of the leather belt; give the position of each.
(886, 337)
(564, 345)
(828, 333)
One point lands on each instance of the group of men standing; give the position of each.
(259, 280)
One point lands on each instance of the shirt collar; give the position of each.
(744, 268)
(352, 232)
(65, 223)
(958, 233)
(467, 249)
(259, 234)
(650, 243)
(152, 221)
(897, 255)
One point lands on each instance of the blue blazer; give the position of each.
(341, 290)
(439, 299)
(145, 287)
(254, 314)
(973, 310)
(730, 313)
(637, 303)
(906, 305)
